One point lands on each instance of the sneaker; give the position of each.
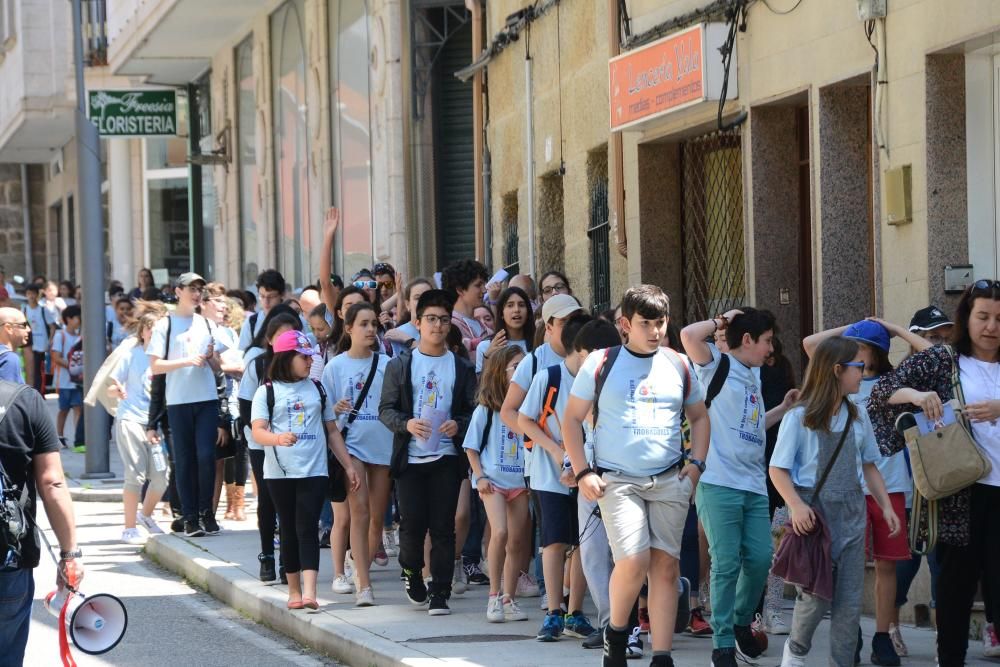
(324, 538)
(644, 620)
(208, 523)
(381, 557)
(526, 587)
(267, 572)
(633, 649)
(389, 543)
(991, 643)
(133, 537)
(543, 602)
(365, 598)
(897, 641)
(577, 625)
(789, 659)
(177, 525)
(615, 647)
(723, 657)
(349, 570)
(475, 576)
(662, 661)
(438, 605)
(746, 643)
(459, 585)
(699, 627)
(513, 612)
(342, 585)
(552, 627)
(774, 624)
(883, 652)
(416, 589)
(494, 610)
(192, 528)
(148, 523)
(683, 605)
(595, 640)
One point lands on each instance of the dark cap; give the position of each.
(929, 318)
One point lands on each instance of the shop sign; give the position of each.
(134, 113)
(668, 75)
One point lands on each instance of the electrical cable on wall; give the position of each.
(562, 163)
(737, 18)
(782, 12)
(876, 28)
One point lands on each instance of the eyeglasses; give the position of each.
(19, 325)
(559, 288)
(194, 289)
(365, 284)
(986, 284)
(434, 320)
(388, 284)
(853, 364)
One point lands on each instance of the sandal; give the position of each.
(296, 604)
(310, 603)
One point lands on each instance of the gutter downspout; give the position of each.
(476, 10)
(616, 155)
(29, 266)
(529, 134)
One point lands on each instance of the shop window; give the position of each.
(511, 262)
(251, 239)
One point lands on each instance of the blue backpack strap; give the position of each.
(601, 376)
(682, 369)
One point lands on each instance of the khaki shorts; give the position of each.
(642, 513)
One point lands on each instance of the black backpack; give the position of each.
(14, 519)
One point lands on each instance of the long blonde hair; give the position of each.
(493, 381)
(821, 393)
(146, 315)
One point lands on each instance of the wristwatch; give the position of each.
(698, 463)
(71, 555)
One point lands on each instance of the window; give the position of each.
(8, 26)
(600, 250)
(252, 248)
(511, 261)
(165, 206)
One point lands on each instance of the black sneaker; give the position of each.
(595, 640)
(475, 575)
(883, 652)
(661, 661)
(438, 605)
(177, 525)
(324, 538)
(267, 572)
(416, 589)
(723, 657)
(746, 643)
(615, 642)
(282, 575)
(208, 522)
(192, 528)
(683, 607)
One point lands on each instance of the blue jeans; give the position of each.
(17, 588)
(193, 427)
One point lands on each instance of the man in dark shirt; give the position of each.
(14, 331)
(29, 455)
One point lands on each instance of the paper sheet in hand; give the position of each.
(436, 418)
(926, 426)
(498, 277)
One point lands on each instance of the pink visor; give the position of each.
(293, 341)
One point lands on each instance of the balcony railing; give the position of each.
(94, 14)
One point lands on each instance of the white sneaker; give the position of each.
(512, 612)
(633, 649)
(389, 542)
(526, 587)
(543, 604)
(366, 598)
(774, 624)
(343, 585)
(348, 565)
(789, 659)
(991, 643)
(897, 641)
(148, 523)
(494, 610)
(459, 584)
(133, 536)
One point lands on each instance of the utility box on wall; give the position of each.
(871, 9)
(898, 184)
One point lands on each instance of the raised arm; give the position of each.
(694, 337)
(326, 288)
(810, 343)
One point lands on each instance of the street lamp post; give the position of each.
(88, 146)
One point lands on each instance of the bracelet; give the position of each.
(583, 473)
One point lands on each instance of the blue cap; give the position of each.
(870, 333)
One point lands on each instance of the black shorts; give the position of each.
(560, 524)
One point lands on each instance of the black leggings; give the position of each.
(299, 502)
(236, 466)
(265, 505)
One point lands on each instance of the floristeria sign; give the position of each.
(134, 113)
(673, 73)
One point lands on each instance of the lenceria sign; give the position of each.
(134, 113)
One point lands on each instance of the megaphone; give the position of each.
(95, 624)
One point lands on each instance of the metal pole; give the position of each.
(88, 166)
(29, 263)
(529, 149)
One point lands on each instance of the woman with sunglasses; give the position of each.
(517, 326)
(968, 543)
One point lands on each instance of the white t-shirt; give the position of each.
(368, 439)
(134, 373)
(38, 320)
(188, 336)
(433, 380)
(544, 357)
(503, 462)
(410, 330)
(981, 382)
(246, 335)
(118, 333)
(893, 468)
(485, 345)
(638, 431)
(544, 469)
(296, 410)
(63, 342)
(736, 454)
(797, 447)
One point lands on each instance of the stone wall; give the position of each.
(11, 221)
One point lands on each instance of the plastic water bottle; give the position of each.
(159, 462)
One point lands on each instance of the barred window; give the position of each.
(511, 262)
(600, 248)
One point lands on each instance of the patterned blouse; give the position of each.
(930, 370)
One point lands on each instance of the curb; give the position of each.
(323, 631)
(82, 495)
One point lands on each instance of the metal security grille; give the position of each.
(712, 227)
(600, 250)
(511, 262)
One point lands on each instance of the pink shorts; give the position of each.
(508, 494)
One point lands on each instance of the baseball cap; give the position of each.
(189, 278)
(560, 306)
(928, 319)
(293, 341)
(870, 333)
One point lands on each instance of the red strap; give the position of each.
(64, 653)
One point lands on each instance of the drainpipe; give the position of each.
(29, 266)
(616, 166)
(476, 10)
(529, 148)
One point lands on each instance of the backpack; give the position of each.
(269, 387)
(552, 382)
(75, 360)
(718, 380)
(611, 355)
(14, 519)
(486, 432)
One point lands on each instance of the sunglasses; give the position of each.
(986, 284)
(366, 284)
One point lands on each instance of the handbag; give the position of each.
(338, 480)
(804, 560)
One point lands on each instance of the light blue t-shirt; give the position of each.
(638, 431)
(736, 454)
(248, 387)
(118, 333)
(485, 345)
(797, 447)
(544, 357)
(188, 336)
(296, 410)
(135, 375)
(544, 470)
(893, 468)
(368, 439)
(410, 330)
(503, 462)
(433, 380)
(246, 333)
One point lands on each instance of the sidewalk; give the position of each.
(75, 465)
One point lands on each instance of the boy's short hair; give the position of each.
(33, 287)
(70, 312)
(572, 326)
(115, 289)
(597, 335)
(460, 274)
(271, 279)
(754, 322)
(434, 298)
(648, 301)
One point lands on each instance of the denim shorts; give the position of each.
(70, 398)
